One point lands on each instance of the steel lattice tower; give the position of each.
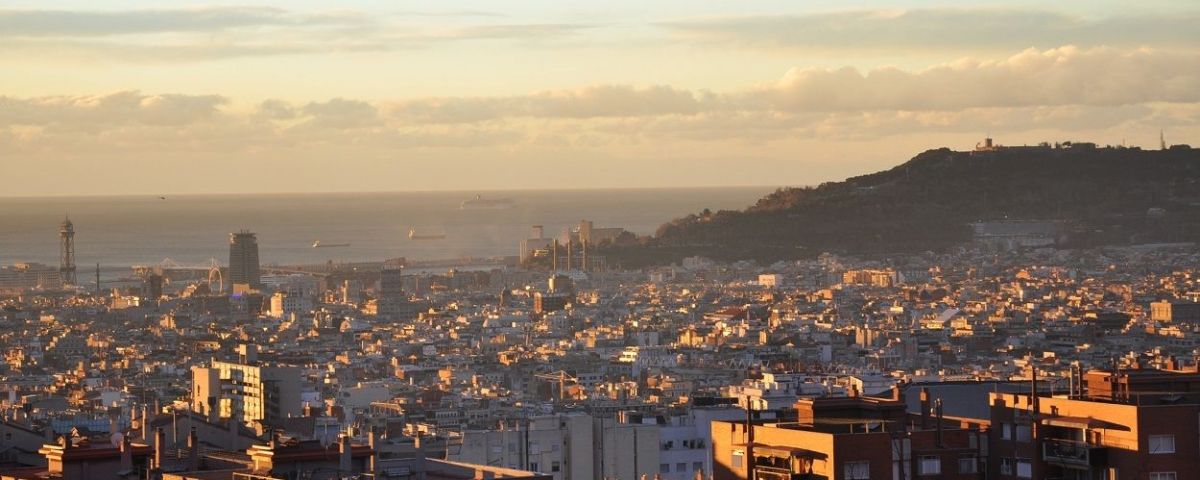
(66, 253)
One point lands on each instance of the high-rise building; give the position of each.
(66, 253)
(243, 261)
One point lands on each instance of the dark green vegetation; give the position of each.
(1105, 196)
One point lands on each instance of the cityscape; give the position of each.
(1018, 300)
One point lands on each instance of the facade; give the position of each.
(284, 305)
(244, 271)
(1135, 424)
(1175, 312)
(246, 390)
(852, 438)
(29, 276)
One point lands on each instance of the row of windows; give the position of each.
(926, 465)
(680, 467)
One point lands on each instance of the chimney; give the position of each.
(938, 407)
(1172, 363)
(126, 454)
(344, 465)
(373, 442)
(193, 443)
(213, 412)
(484, 474)
(113, 415)
(925, 408)
(897, 392)
(233, 433)
(160, 441)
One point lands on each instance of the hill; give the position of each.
(1101, 196)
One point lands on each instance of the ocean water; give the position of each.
(144, 230)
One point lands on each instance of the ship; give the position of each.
(480, 203)
(318, 244)
(413, 235)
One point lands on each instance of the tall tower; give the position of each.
(243, 261)
(66, 251)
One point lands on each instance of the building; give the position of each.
(1174, 311)
(536, 245)
(246, 390)
(391, 301)
(1128, 424)
(849, 438)
(558, 445)
(771, 280)
(550, 302)
(22, 277)
(285, 304)
(244, 271)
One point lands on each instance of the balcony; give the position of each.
(1072, 453)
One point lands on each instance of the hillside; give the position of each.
(1101, 194)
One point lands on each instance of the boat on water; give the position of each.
(481, 203)
(413, 235)
(318, 244)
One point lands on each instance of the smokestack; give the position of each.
(925, 408)
(344, 465)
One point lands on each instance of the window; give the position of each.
(533, 466)
(1024, 433)
(968, 465)
(738, 456)
(664, 468)
(930, 465)
(1162, 444)
(857, 471)
(554, 467)
(1024, 468)
(1006, 431)
(680, 467)
(697, 466)
(1162, 476)
(1007, 466)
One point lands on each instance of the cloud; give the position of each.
(105, 111)
(212, 33)
(939, 29)
(1060, 76)
(1063, 89)
(69, 23)
(596, 101)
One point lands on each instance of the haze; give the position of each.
(122, 97)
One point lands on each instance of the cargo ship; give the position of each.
(318, 244)
(413, 235)
(480, 203)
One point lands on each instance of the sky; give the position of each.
(138, 97)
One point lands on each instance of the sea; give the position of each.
(121, 231)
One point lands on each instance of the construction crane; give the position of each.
(561, 377)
